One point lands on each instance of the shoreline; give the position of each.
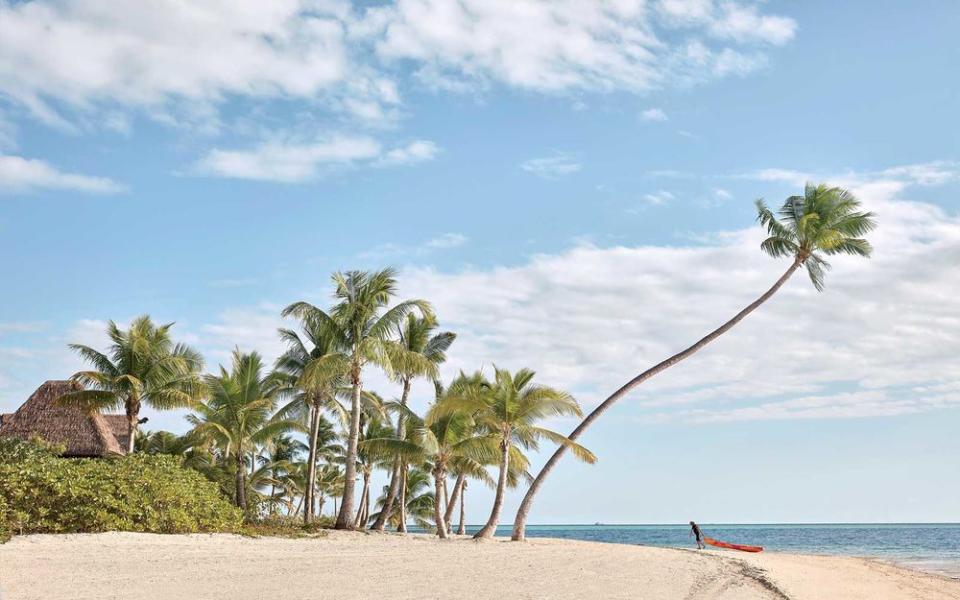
(355, 565)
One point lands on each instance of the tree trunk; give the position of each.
(241, 481)
(360, 520)
(345, 517)
(438, 519)
(490, 528)
(402, 528)
(310, 492)
(452, 501)
(520, 522)
(462, 527)
(381, 519)
(133, 422)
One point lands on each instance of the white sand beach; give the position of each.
(348, 566)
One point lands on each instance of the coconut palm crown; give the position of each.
(143, 366)
(823, 221)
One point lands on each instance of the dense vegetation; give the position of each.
(282, 441)
(42, 493)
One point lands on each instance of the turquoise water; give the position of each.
(930, 547)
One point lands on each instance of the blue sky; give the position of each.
(571, 184)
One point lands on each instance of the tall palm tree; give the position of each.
(143, 366)
(363, 327)
(238, 414)
(312, 370)
(824, 221)
(423, 347)
(507, 411)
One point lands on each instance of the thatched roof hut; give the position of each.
(82, 433)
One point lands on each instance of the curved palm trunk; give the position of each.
(381, 520)
(452, 502)
(312, 464)
(402, 528)
(241, 482)
(462, 527)
(490, 528)
(364, 494)
(438, 479)
(520, 522)
(345, 516)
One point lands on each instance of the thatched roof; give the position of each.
(83, 434)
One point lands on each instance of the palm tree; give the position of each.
(507, 411)
(238, 414)
(312, 371)
(419, 501)
(280, 456)
(369, 458)
(363, 327)
(440, 441)
(824, 221)
(422, 346)
(143, 366)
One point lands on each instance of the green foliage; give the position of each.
(825, 221)
(42, 493)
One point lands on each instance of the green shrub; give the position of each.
(42, 493)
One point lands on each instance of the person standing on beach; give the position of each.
(695, 531)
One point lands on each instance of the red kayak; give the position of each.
(741, 547)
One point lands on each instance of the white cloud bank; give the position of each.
(20, 175)
(67, 61)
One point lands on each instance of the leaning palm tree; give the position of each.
(363, 327)
(238, 415)
(824, 221)
(507, 411)
(312, 370)
(143, 366)
(422, 348)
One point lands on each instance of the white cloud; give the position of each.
(83, 64)
(727, 20)
(932, 173)
(278, 161)
(388, 251)
(881, 340)
(21, 327)
(556, 46)
(18, 174)
(447, 240)
(722, 194)
(298, 162)
(654, 114)
(745, 24)
(658, 198)
(551, 167)
(412, 153)
(80, 55)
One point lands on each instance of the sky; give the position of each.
(571, 184)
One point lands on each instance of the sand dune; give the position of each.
(349, 566)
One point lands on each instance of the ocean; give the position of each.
(933, 547)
